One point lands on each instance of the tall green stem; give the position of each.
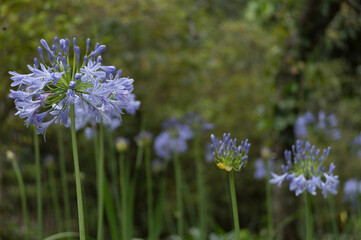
(38, 185)
(77, 175)
(234, 205)
(64, 181)
(179, 186)
(202, 209)
(22, 196)
(308, 216)
(269, 203)
(101, 183)
(149, 193)
(123, 189)
(54, 196)
(113, 173)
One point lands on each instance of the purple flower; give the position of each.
(228, 155)
(323, 124)
(304, 170)
(278, 179)
(173, 139)
(44, 95)
(351, 189)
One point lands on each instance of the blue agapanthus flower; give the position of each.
(227, 155)
(173, 139)
(323, 124)
(44, 96)
(305, 171)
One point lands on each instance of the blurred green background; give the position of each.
(251, 67)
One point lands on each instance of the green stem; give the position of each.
(123, 189)
(149, 193)
(332, 206)
(77, 176)
(308, 217)
(202, 209)
(100, 183)
(38, 185)
(64, 181)
(178, 184)
(269, 203)
(234, 205)
(159, 209)
(113, 173)
(54, 196)
(22, 196)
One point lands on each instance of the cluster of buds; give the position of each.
(227, 155)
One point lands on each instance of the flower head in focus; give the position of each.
(227, 155)
(305, 171)
(173, 139)
(67, 77)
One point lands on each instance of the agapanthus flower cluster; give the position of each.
(305, 171)
(227, 155)
(173, 139)
(325, 124)
(45, 95)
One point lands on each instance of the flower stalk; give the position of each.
(38, 185)
(234, 205)
(149, 193)
(179, 186)
(202, 208)
(269, 202)
(123, 189)
(308, 216)
(77, 175)
(100, 161)
(22, 195)
(54, 196)
(64, 181)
